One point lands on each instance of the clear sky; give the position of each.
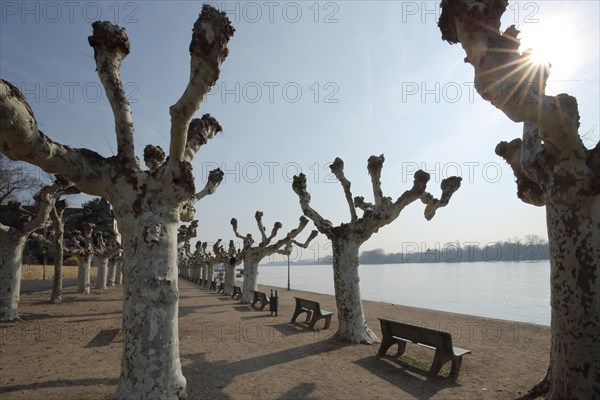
(306, 82)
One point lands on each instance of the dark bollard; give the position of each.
(273, 303)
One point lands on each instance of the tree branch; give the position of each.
(338, 170)
(111, 46)
(449, 186)
(299, 186)
(263, 234)
(154, 157)
(313, 234)
(208, 49)
(527, 190)
(200, 131)
(248, 240)
(20, 139)
(215, 177)
(374, 166)
(45, 200)
(511, 81)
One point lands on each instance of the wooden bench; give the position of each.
(313, 312)
(237, 293)
(400, 333)
(260, 300)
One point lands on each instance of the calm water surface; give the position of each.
(504, 290)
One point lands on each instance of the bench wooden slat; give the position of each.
(399, 333)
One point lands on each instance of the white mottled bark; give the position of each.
(552, 168)
(229, 278)
(83, 273)
(250, 283)
(574, 237)
(112, 271)
(150, 360)
(347, 238)
(230, 263)
(119, 271)
(102, 276)
(351, 318)
(11, 251)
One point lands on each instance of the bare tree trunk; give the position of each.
(204, 272)
(57, 284)
(229, 279)
(211, 272)
(11, 250)
(250, 283)
(119, 271)
(112, 271)
(150, 368)
(574, 237)
(352, 323)
(102, 275)
(83, 274)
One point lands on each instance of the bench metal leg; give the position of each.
(456, 363)
(439, 360)
(386, 342)
(297, 312)
(401, 347)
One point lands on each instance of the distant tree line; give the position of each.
(533, 248)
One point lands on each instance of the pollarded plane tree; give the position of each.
(347, 238)
(148, 203)
(553, 168)
(12, 243)
(55, 240)
(218, 256)
(184, 235)
(234, 258)
(113, 268)
(104, 250)
(254, 254)
(81, 244)
(199, 262)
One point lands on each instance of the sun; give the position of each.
(552, 41)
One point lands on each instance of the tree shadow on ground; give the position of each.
(258, 316)
(242, 308)
(222, 373)
(406, 377)
(58, 384)
(187, 310)
(103, 338)
(302, 391)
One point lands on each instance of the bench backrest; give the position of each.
(310, 304)
(417, 334)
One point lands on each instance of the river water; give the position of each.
(516, 291)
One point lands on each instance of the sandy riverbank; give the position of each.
(231, 351)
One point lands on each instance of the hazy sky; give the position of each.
(306, 82)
